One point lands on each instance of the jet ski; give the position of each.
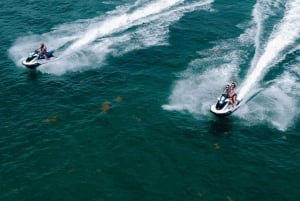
(36, 59)
(223, 107)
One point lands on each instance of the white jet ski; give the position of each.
(223, 107)
(36, 59)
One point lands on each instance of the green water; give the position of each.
(123, 114)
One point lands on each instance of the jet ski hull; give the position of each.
(30, 64)
(34, 60)
(224, 111)
(223, 106)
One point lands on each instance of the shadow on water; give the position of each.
(32, 75)
(220, 126)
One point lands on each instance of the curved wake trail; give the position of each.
(190, 93)
(86, 43)
(276, 104)
(284, 35)
(121, 22)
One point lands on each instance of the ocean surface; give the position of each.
(123, 113)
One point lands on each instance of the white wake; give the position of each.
(277, 102)
(284, 35)
(85, 44)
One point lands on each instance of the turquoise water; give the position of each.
(123, 113)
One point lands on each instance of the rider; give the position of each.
(43, 51)
(226, 91)
(232, 94)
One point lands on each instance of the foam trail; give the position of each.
(262, 11)
(86, 43)
(281, 94)
(121, 22)
(283, 36)
(191, 93)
